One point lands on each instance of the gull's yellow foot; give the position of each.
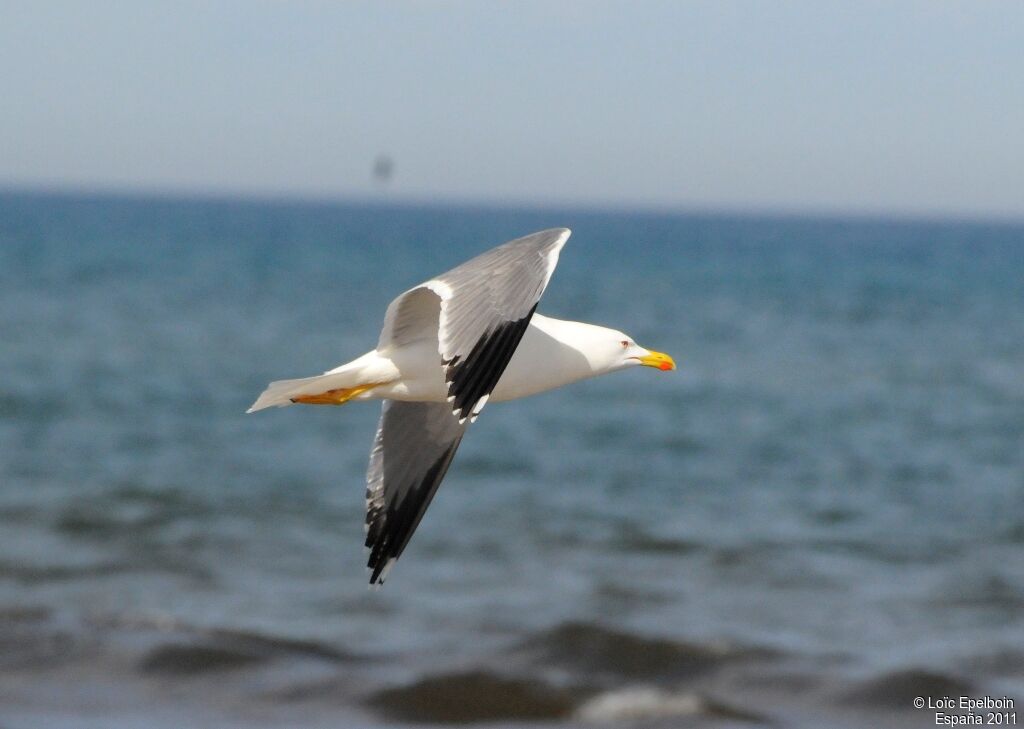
(335, 397)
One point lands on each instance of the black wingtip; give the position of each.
(477, 375)
(391, 530)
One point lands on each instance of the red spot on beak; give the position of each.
(664, 367)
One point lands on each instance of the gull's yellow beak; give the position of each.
(658, 359)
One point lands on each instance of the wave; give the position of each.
(127, 507)
(590, 649)
(575, 671)
(31, 638)
(898, 689)
(218, 650)
(187, 659)
(31, 574)
(632, 538)
(20, 614)
(1001, 662)
(34, 636)
(633, 704)
(475, 696)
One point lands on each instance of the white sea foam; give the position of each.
(640, 703)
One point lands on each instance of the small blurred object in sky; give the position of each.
(383, 169)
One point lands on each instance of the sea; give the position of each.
(815, 521)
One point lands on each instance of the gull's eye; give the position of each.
(625, 343)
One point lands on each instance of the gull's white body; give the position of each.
(552, 353)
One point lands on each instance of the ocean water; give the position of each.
(817, 518)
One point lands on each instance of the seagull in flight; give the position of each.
(448, 347)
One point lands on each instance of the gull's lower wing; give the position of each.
(415, 444)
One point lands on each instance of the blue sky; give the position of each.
(877, 107)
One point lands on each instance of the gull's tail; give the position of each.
(335, 387)
(283, 392)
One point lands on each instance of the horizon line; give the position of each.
(285, 197)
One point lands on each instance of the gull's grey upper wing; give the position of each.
(415, 444)
(483, 308)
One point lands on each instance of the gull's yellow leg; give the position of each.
(335, 397)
